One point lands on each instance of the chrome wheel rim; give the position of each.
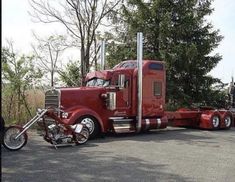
(227, 121)
(10, 141)
(215, 121)
(89, 124)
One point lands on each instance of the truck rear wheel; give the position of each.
(215, 122)
(228, 121)
(92, 124)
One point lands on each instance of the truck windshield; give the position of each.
(97, 82)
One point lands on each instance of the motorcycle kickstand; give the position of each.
(54, 144)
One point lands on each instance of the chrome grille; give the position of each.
(52, 99)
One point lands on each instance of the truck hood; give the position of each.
(85, 96)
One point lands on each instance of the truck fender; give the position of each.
(206, 119)
(85, 111)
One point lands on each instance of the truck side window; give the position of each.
(155, 66)
(157, 88)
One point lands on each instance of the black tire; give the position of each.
(10, 143)
(228, 120)
(92, 124)
(215, 122)
(83, 136)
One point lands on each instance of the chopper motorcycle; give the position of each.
(56, 133)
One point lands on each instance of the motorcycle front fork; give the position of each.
(31, 122)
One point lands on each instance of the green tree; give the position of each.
(175, 32)
(71, 74)
(18, 75)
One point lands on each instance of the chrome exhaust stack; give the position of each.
(102, 55)
(140, 79)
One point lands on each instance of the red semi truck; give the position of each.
(112, 101)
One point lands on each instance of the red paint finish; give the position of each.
(153, 105)
(85, 101)
(184, 118)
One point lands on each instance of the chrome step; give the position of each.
(122, 125)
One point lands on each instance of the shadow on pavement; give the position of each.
(41, 163)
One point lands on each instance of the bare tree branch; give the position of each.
(47, 52)
(81, 18)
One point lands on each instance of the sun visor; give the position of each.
(105, 74)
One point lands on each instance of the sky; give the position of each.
(17, 26)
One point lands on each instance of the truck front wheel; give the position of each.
(92, 124)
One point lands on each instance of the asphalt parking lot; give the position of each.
(173, 154)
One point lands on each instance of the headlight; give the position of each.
(64, 115)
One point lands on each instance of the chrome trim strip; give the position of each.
(159, 122)
(147, 122)
(111, 100)
(113, 118)
(121, 127)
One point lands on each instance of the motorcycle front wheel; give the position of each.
(83, 136)
(9, 141)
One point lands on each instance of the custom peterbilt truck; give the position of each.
(109, 102)
(129, 98)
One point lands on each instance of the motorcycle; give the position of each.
(56, 132)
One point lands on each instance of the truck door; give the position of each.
(123, 96)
